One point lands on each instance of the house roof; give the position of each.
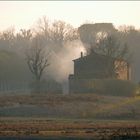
(93, 56)
(90, 56)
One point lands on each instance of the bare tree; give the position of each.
(25, 34)
(62, 32)
(37, 59)
(7, 38)
(117, 55)
(56, 34)
(23, 40)
(56, 31)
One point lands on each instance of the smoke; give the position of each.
(61, 64)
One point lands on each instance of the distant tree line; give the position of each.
(25, 55)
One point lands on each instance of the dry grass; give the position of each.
(78, 105)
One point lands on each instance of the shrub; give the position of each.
(45, 86)
(114, 87)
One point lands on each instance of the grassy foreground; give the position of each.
(79, 115)
(85, 106)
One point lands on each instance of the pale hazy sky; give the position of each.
(24, 14)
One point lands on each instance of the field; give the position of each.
(89, 106)
(43, 127)
(81, 116)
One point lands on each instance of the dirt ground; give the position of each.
(97, 129)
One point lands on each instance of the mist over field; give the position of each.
(70, 70)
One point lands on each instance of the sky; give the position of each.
(25, 14)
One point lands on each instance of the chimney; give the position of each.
(81, 54)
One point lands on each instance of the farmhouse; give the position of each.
(91, 67)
